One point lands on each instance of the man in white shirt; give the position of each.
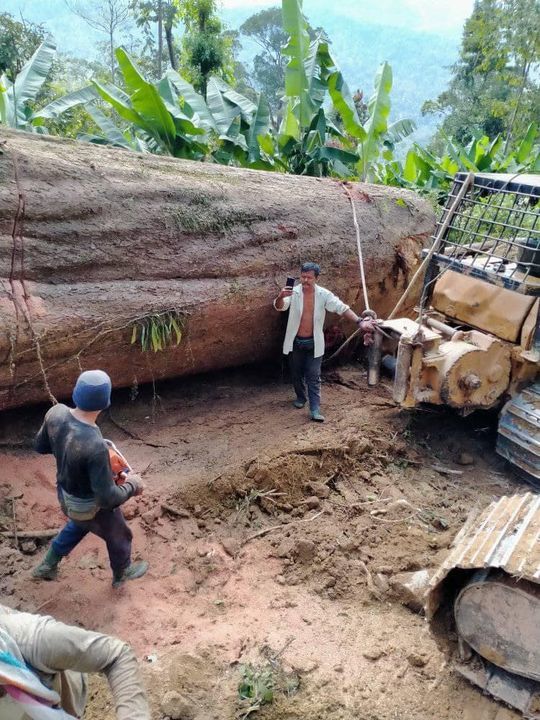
(304, 338)
(43, 667)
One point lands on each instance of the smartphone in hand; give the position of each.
(290, 282)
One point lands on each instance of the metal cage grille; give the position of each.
(494, 232)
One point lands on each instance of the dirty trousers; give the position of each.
(61, 655)
(110, 526)
(306, 370)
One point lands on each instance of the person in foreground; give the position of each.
(43, 664)
(308, 303)
(88, 495)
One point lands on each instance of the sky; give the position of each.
(438, 16)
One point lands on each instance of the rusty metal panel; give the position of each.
(487, 307)
(505, 535)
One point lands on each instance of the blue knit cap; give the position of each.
(92, 390)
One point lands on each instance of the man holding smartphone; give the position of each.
(308, 303)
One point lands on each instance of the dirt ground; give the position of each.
(276, 566)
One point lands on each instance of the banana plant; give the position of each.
(425, 171)
(171, 118)
(308, 142)
(16, 98)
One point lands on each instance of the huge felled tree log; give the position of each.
(93, 238)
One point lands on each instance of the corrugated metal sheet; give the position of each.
(505, 535)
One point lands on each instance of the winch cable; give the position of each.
(359, 248)
(368, 312)
(436, 242)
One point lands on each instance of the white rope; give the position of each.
(359, 249)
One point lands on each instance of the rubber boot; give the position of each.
(299, 403)
(316, 416)
(48, 567)
(132, 572)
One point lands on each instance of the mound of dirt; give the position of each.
(264, 530)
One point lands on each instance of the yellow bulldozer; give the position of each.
(476, 341)
(476, 345)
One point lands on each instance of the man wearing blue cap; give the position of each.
(87, 492)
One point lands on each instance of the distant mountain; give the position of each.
(420, 61)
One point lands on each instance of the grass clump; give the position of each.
(158, 331)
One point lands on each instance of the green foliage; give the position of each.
(172, 118)
(495, 87)
(158, 331)
(16, 96)
(262, 683)
(266, 29)
(318, 147)
(424, 170)
(256, 688)
(205, 49)
(18, 42)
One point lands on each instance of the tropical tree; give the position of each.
(106, 16)
(18, 42)
(265, 28)
(495, 86)
(205, 49)
(164, 15)
(310, 142)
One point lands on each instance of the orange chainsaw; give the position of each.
(119, 465)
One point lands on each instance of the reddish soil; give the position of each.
(283, 557)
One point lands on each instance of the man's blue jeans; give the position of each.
(306, 370)
(110, 526)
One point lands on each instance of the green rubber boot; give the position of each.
(316, 416)
(48, 567)
(132, 572)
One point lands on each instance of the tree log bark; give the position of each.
(93, 238)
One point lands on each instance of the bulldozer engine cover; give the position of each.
(475, 302)
(483, 603)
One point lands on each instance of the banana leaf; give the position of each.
(29, 81)
(112, 134)
(377, 124)
(223, 111)
(246, 106)
(527, 144)
(195, 102)
(259, 126)
(66, 102)
(147, 102)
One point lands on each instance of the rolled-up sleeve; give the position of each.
(286, 304)
(50, 647)
(335, 305)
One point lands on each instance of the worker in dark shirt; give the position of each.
(87, 492)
